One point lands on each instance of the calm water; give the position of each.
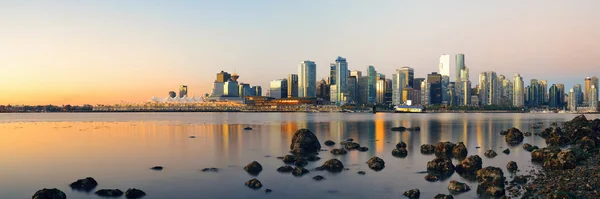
(117, 149)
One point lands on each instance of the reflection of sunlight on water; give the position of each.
(479, 133)
(465, 130)
(379, 132)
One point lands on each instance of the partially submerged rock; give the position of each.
(338, 151)
(441, 165)
(401, 144)
(210, 169)
(86, 184)
(490, 153)
(470, 164)
(376, 163)
(491, 181)
(109, 193)
(427, 149)
(514, 136)
(318, 178)
(329, 143)
(458, 187)
(254, 184)
(506, 151)
(333, 165)
(253, 168)
(157, 168)
(443, 149)
(413, 193)
(459, 151)
(299, 171)
(285, 169)
(134, 193)
(399, 128)
(363, 149)
(289, 159)
(443, 196)
(512, 166)
(301, 162)
(432, 177)
(402, 152)
(49, 194)
(305, 142)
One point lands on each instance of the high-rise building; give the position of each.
(463, 87)
(307, 79)
(595, 83)
(331, 78)
(417, 83)
(587, 85)
(544, 92)
(554, 97)
(278, 88)
(593, 98)
(363, 90)
(381, 89)
(172, 94)
(356, 73)
(257, 90)
(398, 85)
(506, 91)
(534, 93)
(434, 81)
(561, 90)
(372, 90)
(518, 98)
(245, 90)
(488, 88)
(292, 86)
(388, 92)
(444, 68)
(352, 90)
(409, 74)
(323, 90)
(183, 91)
(460, 64)
(572, 100)
(341, 76)
(356, 91)
(579, 94)
(425, 94)
(223, 77)
(230, 89)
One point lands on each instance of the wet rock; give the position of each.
(299, 171)
(361, 173)
(376, 163)
(247, 128)
(441, 165)
(506, 151)
(253, 168)
(520, 179)
(491, 181)
(443, 149)
(192, 136)
(285, 169)
(512, 166)
(268, 190)
(540, 155)
(363, 149)
(490, 153)
(579, 154)
(318, 178)
(305, 142)
(329, 143)
(134, 193)
(432, 177)
(459, 150)
(312, 158)
(352, 146)
(109, 193)
(401, 144)
(86, 184)
(300, 162)
(333, 165)
(157, 168)
(563, 195)
(49, 194)
(413, 193)
(289, 159)
(587, 144)
(527, 146)
(443, 196)
(210, 169)
(470, 164)
(338, 151)
(254, 184)
(458, 187)
(402, 152)
(495, 191)
(349, 139)
(564, 160)
(427, 149)
(514, 136)
(557, 141)
(400, 128)
(527, 134)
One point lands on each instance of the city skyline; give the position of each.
(92, 53)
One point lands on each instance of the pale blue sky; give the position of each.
(111, 50)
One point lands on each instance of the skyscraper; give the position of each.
(223, 77)
(488, 88)
(594, 82)
(292, 86)
(257, 90)
(561, 90)
(331, 79)
(356, 92)
(307, 79)
(278, 88)
(543, 92)
(341, 76)
(388, 92)
(323, 90)
(518, 98)
(444, 68)
(534, 93)
(409, 74)
(381, 89)
(593, 98)
(398, 85)
(434, 81)
(463, 87)
(372, 90)
(363, 90)
(460, 64)
(183, 91)
(417, 83)
(352, 90)
(356, 73)
(554, 97)
(230, 89)
(587, 85)
(579, 94)
(572, 100)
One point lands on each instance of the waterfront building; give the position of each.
(593, 98)
(278, 88)
(444, 70)
(222, 77)
(554, 97)
(363, 90)
(518, 91)
(594, 82)
(534, 93)
(245, 90)
(460, 64)
(579, 94)
(331, 78)
(572, 100)
(183, 91)
(587, 85)
(372, 90)
(292, 86)
(257, 90)
(398, 85)
(307, 79)
(381, 89)
(409, 74)
(230, 89)
(323, 90)
(434, 81)
(488, 88)
(561, 90)
(352, 90)
(416, 82)
(341, 77)
(543, 92)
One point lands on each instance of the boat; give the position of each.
(408, 109)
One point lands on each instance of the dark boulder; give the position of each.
(490, 153)
(376, 163)
(491, 181)
(299, 171)
(157, 168)
(247, 128)
(301, 162)
(401, 144)
(253, 168)
(352, 146)
(401, 152)
(361, 173)
(514, 136)
(443, 196)
(318, 178)
(363, 149)
(470, 164)
(49, 194)
(329, 143)
(109, 193)
(432, 177)
(210, 169)
(527, 146)
(427, 149)
(86, 184)
(349, 139)
(565, 159)
(305, 142)
(413, 193)
(587, 144)
(557, 141)
(506, 151)
(444, 149)
(333, 165)
(134, 193)
(285, 169)
(458, 187)
(512, 166)
(542, 154)
(527, 134)
(459, 151)
(440, 165)
(338, 151)
(254, 184)
(289, 159)
(520, 179)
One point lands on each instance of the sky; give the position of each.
(112, 51)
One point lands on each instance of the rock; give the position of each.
(349, 139)
(579, 154)
(305, 142)
(401, 144)
(458, 187)
(192, 136)
(253, 168)
(210, 170)
(413, 193)
(333, 165)
(268, 190)
(427, 149)
(527, 146)
(512, 166)
(289, 159)
(520, 179)
(470, 164)
(312, 158)
(363, 149)
(134, 193)
(318, 178)
(514, 136)
(285, 169)
(443, 196)
(86, 184)
(49, 194)
(157, 168)
(254, 184)
(441, 165)
(352, 146)
(527, 133)
(506, 151)
(300, 162)
(402, 152)
(329, 143)
(459, 150)
(248, 128)
(587, 144)
(376, 163)
(400, 128)
(542, 154)
(491, 181)
(299, 171)
(495, 191)
(361, 173)
(109, 193)
(563, 195)
(565, 159)
(557, 141)
(443, 149)
(490, 153)
(432, 177)
(338, 151)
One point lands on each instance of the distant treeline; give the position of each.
(45, 108)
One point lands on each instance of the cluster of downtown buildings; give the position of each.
(353, 87)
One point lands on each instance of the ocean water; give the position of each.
(51, 150)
